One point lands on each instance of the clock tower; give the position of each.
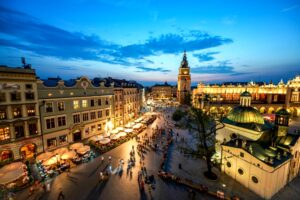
(184, 80)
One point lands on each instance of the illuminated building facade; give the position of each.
(74, 110)
(162, 91)
(184, 80)
(19, 114)
(267, 98)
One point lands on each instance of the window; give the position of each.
(241, 172)
(99, 102)
(85, 116)
(99, 113)
(50, 123)
(61, 121)
(87, 131)
(31, 110)
(75, 104)
(93, 115)
(99, 127)
(51, 143)
(3, 114)
(17, 112)
(242, 154)
(84, 103)
(254, 179)
(28, 86)
(19, 131)
(29, 96)
(4, 133)
(93, 128)
(49, 107)
(60, 106)
(106, 101)
(107, 112)
(2, 97)
(92, 103)
(32, 128)
(228, 164)
(63, 139)
(15, 96)
(76, 118)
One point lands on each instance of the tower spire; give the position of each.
(184, 62)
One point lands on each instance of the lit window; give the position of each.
(63, 139)
(51, 142)
(3, 114)
(17, 112)
(75, 104)
(84, 103)
(4, 133)
(49, 107)
(31, 110)
(99, 127)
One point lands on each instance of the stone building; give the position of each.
(266, 98)
(162, 91)
(20, 132)
(184, 80)
(74, 110)
(262, 156)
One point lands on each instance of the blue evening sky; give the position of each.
(143, 40)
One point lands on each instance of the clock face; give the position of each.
(84, 84)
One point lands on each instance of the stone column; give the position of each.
(26, 129)
(9, 112)
(269, 98)
(12, 132)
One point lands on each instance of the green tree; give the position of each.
(205, 128)
(187, 99)
(177, 115)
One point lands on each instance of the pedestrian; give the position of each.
(61, 195)
(101, 176)
(102, 159)
(109, 158)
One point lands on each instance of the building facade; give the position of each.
(184, 80)
(267, 98)
(20, 132)
(74, 110)
(162, 91)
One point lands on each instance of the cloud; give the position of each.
(148, 69)
(293, 7)
(221, 68)
(24, 32)
(202, 57)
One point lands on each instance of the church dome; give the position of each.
(246, 94)
(242, 114)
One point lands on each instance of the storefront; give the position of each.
(76, 135)
(28, 151)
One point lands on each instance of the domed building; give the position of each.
(246, 120)
(256, 153)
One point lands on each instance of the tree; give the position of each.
(187, 99)
(205, 128)
(177, 115)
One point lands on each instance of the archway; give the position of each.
(271, 110)
(6, 156)
(77, 135)
(262, 110)
(28, 151)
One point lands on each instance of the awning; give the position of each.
(84, 149)
(68, 155)
(11, 172)
(76, 146)
(128, 130)
(44, 156)
(115, 131)
(122, 134)
(60, 151)
(104, 141)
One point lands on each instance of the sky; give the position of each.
(144, 40)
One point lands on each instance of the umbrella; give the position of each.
(105, 141)
(76, 146)
(122, 134)
(60, 151)
(114, 137)
(137, 126)
(44, 156)
(51, 161)
(68, 155)
(120, 128)
(84, 149)
(96, 138)
(11, 172)
(128, 130)
(114, 131)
